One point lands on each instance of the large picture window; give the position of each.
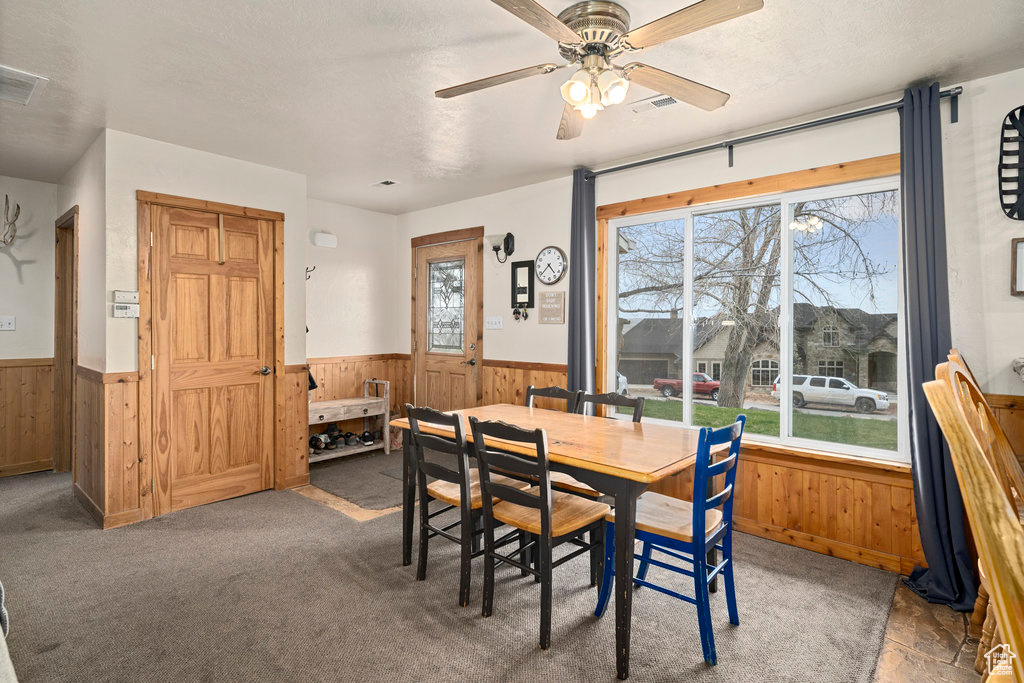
(784, 308)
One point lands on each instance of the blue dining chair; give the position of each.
(688, 532)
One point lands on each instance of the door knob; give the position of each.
(265, 370)
(471, 361)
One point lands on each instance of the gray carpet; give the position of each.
(275, 587)
(372, 481)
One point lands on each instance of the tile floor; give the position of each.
(926, 642)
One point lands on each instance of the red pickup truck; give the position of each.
(702, 384)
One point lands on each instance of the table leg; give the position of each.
(625, 531)
(408, 496)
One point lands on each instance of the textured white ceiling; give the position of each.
(343, 90)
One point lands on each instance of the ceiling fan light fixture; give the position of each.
(576, 90)
(613, 87)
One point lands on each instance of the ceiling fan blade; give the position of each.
(508, 77)
(571, 124)
(678, 87)
(687, 20)
(544, 21)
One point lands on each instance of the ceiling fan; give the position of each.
(593, 32)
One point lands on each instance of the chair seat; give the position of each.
(568, 513)
(565, 482)
(449, 492)
(669, 517)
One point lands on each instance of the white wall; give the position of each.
(26, 270)
(988, 323)
(538, 215)
(85, 185)
(137, 163)
(349, 298)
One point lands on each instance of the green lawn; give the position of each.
(844, 429)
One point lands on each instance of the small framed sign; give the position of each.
(552, 308)
(1017, 267)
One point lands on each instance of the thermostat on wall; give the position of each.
(126, 310)
(123, 297)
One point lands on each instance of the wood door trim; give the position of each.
(449, 236)
(205, 205)
(67, 219)
(146, 200)
(25, 362)
(862, 169)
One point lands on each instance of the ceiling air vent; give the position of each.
(652, 103)
(20, 86)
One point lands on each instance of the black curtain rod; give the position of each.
(953, 92)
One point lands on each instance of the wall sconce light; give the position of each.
(507, 245)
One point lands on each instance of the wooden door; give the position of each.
(213, 347)
(448, 324)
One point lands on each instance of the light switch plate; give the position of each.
(493, 323)
(7, 323)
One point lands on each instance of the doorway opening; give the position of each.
(65, 339)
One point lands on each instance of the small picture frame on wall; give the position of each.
(1017, 266)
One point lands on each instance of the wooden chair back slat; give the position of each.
(459, 474)
(487, 438)
(571, 398)
(981, 420)
(704, 472)
(613, 399)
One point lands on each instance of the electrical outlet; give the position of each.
(7, 323)
(493, 323)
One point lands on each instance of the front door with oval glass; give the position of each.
(447, 325)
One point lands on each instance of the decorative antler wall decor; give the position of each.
(10, 227)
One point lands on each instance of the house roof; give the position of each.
(665, 335)
(866, 326)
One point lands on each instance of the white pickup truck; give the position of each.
(832, 391)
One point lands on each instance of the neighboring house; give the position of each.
(837, 342)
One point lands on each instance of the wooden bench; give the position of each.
(367, 406)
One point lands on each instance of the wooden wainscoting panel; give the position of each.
(342, 376)
(90, 446)
(1009, 412)
(292, 457)
(506, 381)
(834, 506)
(109, 477)
(26, 415)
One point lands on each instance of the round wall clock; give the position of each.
(551, 265)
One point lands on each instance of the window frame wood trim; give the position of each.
(808, 179)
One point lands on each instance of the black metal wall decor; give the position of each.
(1011, 164)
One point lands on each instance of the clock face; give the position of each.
(551, 265)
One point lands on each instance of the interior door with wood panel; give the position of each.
(213, 346)
(448, 324)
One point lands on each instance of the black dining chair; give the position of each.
(613, 399)
(571, 398)
(551, 517)
(456, 485)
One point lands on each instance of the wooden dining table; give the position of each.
(619, 458)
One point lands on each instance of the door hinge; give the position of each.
(414, 346)
(415, 273)
(152, 362)
(151, 239)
